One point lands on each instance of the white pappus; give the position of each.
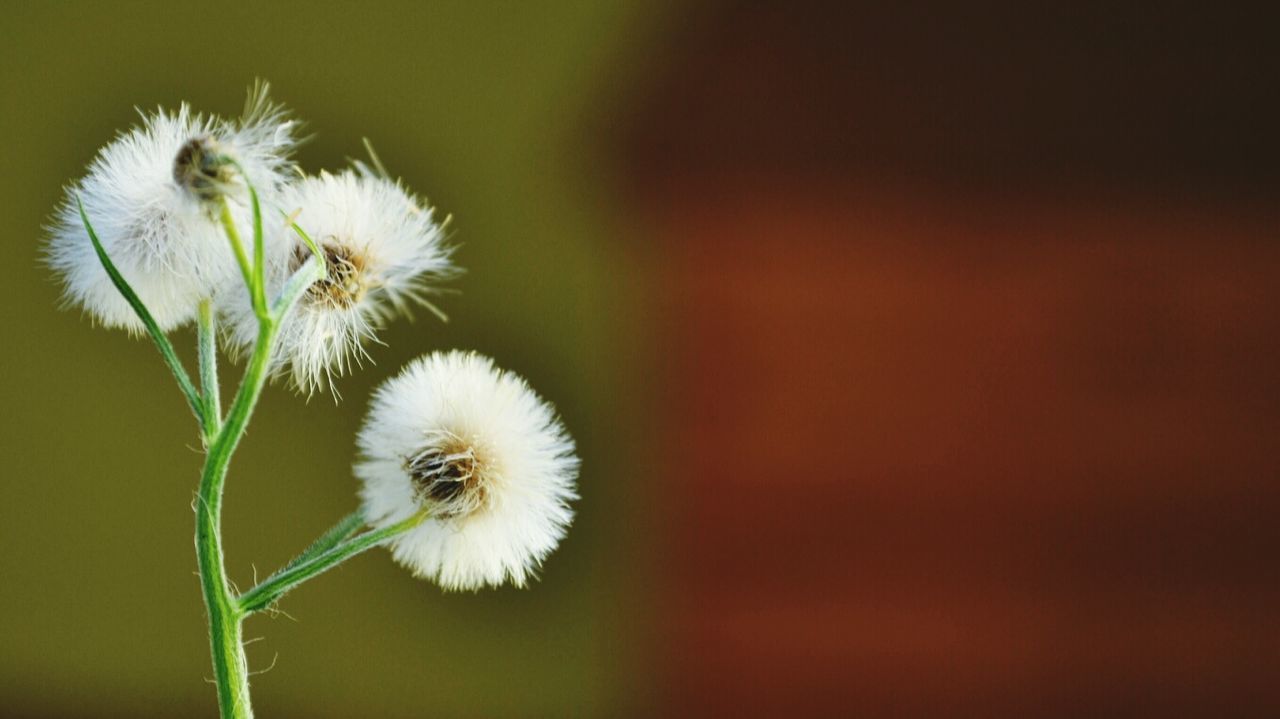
(482, 455)
(152, 196)
(381, 248)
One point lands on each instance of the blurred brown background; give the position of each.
(922, 359)
(969, 318)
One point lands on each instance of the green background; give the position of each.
(494, 112)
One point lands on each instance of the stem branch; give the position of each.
(281, 582)
(338, 533)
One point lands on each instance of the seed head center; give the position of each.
(448, 478)
(345, 284)
(202, 169)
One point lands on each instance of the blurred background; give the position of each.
(922, 357)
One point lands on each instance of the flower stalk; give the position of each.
(226, 615)
(237, 247)
(231, 671)
(297, 572)
(226, 611)
(207, 342)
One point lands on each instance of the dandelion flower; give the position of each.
(483, 455)
(381, 249)
(150, 198)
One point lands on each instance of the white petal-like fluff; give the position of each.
(521, 470)
(163, 239)
(381, 248)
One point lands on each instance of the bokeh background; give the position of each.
(922, 356)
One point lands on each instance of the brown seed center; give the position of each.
(447, 478)
(201, 168)
(344, 286)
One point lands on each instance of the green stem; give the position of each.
(306, 239)
(278, 584)
(237, 247)
(257, 285)
(231, 672)
(338, 533)
(208, 351)
(312, 271)
(226, 614)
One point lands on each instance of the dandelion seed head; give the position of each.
(148, 195)
(483, 454)
(382, 252)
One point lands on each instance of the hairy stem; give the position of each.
(231, 672)
(226, 613)
(338, 533)
(208, 352)
(296, 573)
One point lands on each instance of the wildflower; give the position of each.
(381, 248)
(150, 196)
(483, 455)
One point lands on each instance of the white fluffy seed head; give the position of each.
(148, 196)
(381, 247)
(483, 454)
